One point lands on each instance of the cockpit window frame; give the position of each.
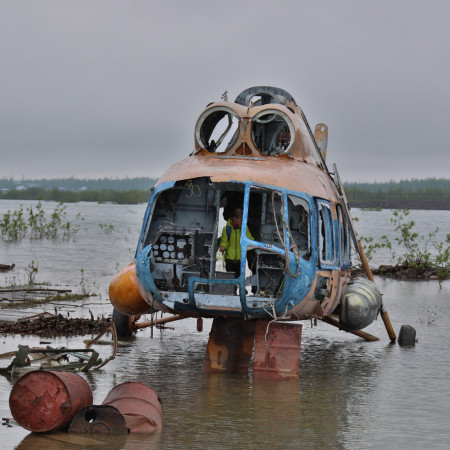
(289, 123)
(201, 122)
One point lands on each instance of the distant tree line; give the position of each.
(103, 196)
(426, 186)
(77, 184)
(430, 193)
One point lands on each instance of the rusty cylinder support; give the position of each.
(277, 349)
(229, 346)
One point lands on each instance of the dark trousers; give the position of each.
(233, 266)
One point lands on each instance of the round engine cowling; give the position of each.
(360, 304)
(124, 293)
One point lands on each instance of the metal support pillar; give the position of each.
(277, 349)
(230, 345)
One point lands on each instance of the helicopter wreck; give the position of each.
(257, 154)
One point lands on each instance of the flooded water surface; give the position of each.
(351, 394)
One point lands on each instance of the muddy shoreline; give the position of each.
(51, 326)
(409, 273)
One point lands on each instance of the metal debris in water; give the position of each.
(56, 325)
(28, 359)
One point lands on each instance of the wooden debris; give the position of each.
(56, 326)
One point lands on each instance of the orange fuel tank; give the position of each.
(124, 293)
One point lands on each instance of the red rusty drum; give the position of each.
(98, 419)
(277, 349)
(43, 400)
(139, 404)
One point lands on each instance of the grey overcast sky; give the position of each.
(106, 88)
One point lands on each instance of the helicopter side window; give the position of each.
(344, 230)
(344, 233)
(298, 212)
(326, 234)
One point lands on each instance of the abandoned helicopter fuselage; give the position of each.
(258, 154)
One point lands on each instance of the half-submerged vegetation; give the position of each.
(27, 293)
(70, 190)
(16, 225)
(421, 257)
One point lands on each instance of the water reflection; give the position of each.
(60, 440)
(350, 394)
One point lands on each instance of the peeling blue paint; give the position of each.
(295, 286)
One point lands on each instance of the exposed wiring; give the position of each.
(272, 314)
(192, 187)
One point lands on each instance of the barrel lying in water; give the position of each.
(99, 419)
(360, 304)
(139, 404)
(43, 400)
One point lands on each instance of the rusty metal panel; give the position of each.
(277, 349)
(45, 400)
(230, 345)
(302, 146)
(139, 404)
(321, 137)
(296, 175)
(99, 419)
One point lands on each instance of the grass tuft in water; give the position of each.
(14, 225)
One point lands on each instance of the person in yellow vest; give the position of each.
(230, 242)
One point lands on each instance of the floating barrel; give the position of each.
(407, 335)
(139, 404)
(99, 419)
(43, 400)
(360, 304)
(124, 293)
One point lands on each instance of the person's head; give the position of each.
(236, 218)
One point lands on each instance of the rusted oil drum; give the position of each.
(139, 404)
(43, 400)
(407, 335)
(230, 345)
(277, 349)
(98, 419)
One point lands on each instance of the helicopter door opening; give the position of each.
(266, 259)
